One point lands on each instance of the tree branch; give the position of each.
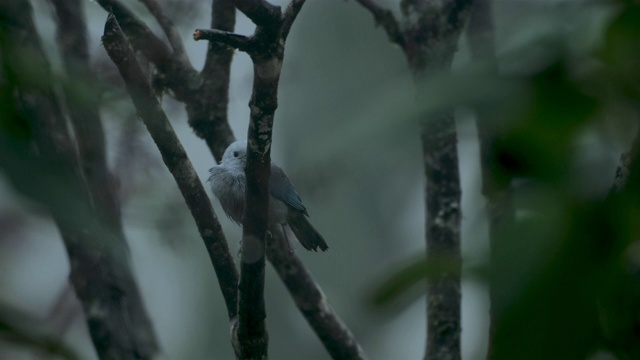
(384, 17)
(206, 117)
(176, 73)
(215, 83)
(175, 157)
(235, 41)
(167, 26)
(261, 12)
(290, 16)
(311, 301)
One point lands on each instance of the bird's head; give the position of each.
(236, 155)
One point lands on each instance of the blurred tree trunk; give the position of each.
(500, 207)
(429, 39)
(70, 179)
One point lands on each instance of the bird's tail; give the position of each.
(309, 237)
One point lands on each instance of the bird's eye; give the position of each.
(235, 154)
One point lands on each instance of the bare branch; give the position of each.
(312, 303)
(385, 18)
(175, 157)
(235, 41)
(168, 27)
(261, 12)
(179, 76)
(215, 83)
(290, 16)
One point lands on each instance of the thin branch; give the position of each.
(312, 303)
(430, 46)
(290, 16)
(185, 83)
(168, 27)
(175, 157)
(176, 73)
(215, 83)
(384, 17)
(261, 12)
(235, 41)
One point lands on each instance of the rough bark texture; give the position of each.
(42, 162)
(429, 41)
(500, 207)
(175, 157)
(442, 186)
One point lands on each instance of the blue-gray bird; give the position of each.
(285, 206)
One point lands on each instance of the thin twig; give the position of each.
(289, 17)
(235, 41)
(175, 157)
(384, 17)
(167, 26)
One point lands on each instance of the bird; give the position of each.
(228, 183)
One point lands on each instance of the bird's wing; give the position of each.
(281, 188)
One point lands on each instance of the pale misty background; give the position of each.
(358, 170)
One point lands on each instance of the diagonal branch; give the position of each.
(175, 157)
(206, 117)
(290, 16)
(215, 83)
(261, 12)
(168, 27)
(384, 17)
(312, 303)
(176, 73)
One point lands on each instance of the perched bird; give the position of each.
(285, 206)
